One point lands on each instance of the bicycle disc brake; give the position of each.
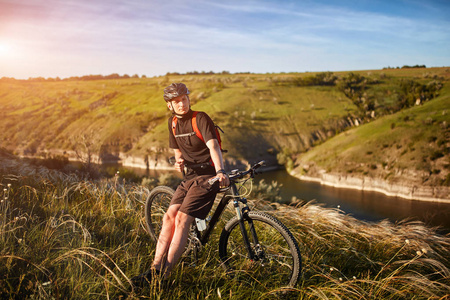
(260, 254)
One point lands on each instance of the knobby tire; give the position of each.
(278, 262)
(156, 206)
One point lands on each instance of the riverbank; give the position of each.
(439, 194)
(407, 191)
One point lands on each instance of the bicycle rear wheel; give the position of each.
(156, 206)
(277, 260)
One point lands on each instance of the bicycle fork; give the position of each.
(240, 213)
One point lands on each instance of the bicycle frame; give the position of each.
(226, 198)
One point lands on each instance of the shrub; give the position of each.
(267, 191)
(285, 159)
(149, 182)
(169, 179)
(123, 173)
(436, 154)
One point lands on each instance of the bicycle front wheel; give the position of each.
(276, 260)
(155, 207)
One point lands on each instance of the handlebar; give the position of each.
(251, 171)
(240, 174)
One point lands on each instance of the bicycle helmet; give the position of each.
(175, 90)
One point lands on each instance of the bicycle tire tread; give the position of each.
(279, 226)
(162, 189)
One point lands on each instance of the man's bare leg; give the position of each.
(162, 248)
(179, 240)
(165, 236)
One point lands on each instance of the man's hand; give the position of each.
(179, 165)
(224, 181)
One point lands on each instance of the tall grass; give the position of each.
(64, 237)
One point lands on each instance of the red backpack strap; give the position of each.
(174, 124)
(195, 127)
(197, 132)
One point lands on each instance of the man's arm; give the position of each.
(216, 156)
(179, 160)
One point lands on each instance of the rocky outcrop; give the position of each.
(404, 189)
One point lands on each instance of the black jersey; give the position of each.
(193, 149)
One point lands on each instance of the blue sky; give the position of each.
(66, 38)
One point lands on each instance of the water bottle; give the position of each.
(201, 224)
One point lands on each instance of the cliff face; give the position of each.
(408, 189)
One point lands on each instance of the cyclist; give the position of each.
(194, 197)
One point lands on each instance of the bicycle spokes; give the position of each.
(273, 258)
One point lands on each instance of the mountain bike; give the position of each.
(252, 243)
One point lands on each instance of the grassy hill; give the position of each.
(265, 116)
(410, 148)
(129, 115)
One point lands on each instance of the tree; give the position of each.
(86, 148)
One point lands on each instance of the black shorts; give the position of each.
(196, 196)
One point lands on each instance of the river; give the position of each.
(363, 205)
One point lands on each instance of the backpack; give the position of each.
(196, 130)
